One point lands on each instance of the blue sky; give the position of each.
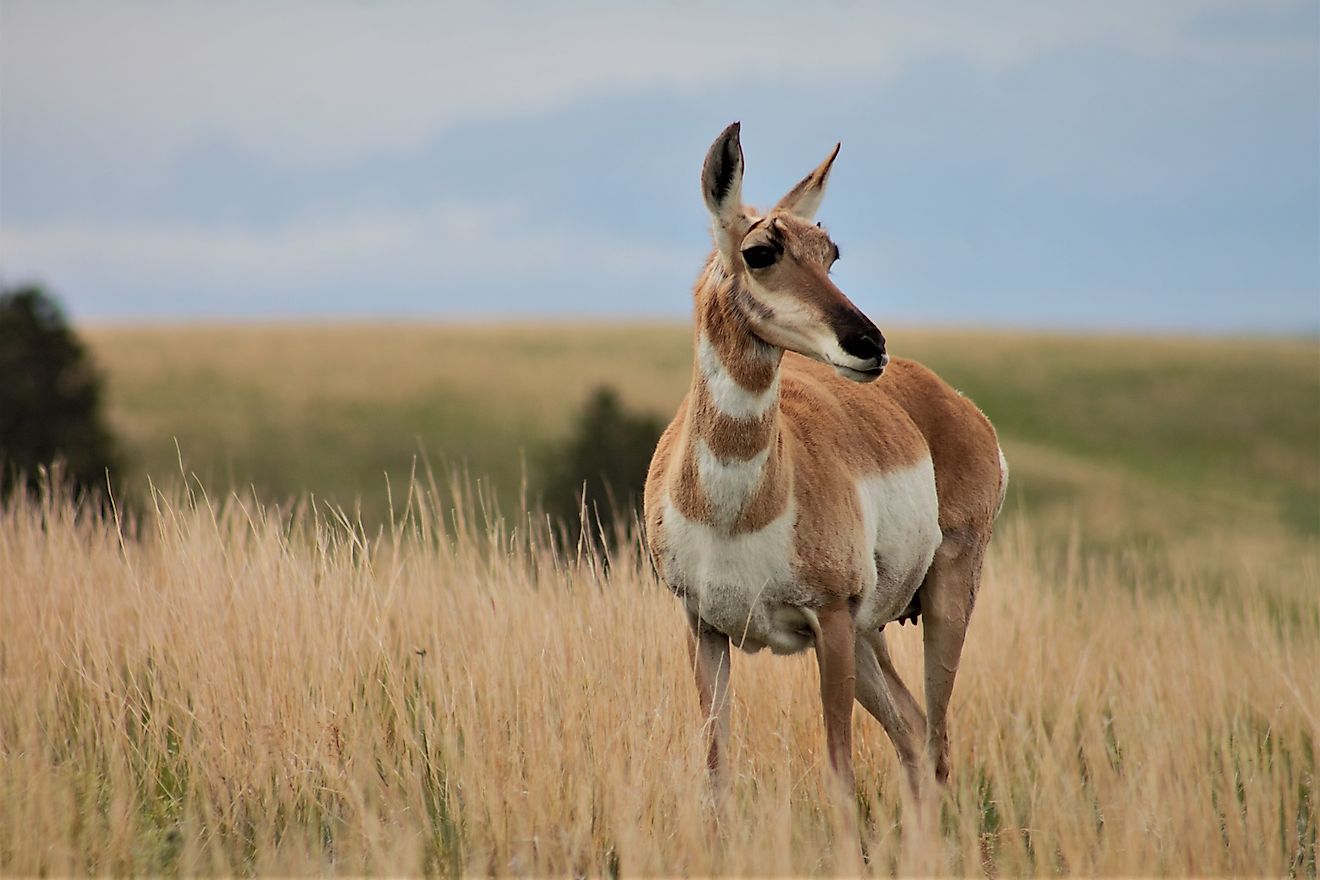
(1121, 165)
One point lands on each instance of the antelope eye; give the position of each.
(760, 256)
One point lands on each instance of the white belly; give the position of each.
(743, 585)
(746, 585)
(901, 532)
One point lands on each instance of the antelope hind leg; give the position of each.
(883, 694)
(947, 596)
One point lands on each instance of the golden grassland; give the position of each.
(254, 681)
(247, 689)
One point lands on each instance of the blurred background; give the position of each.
(1124, 165)
(307, 241)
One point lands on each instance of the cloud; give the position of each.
(449, 245)
(325, 82)
(255, 158)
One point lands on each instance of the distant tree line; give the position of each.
(53, 434)
(50, 401)
(595, 477)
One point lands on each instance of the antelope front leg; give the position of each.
(838, 687)
(709, 650)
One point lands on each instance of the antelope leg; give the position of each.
(709, 651)
(838, 684)
(946, 607)
(882, 693)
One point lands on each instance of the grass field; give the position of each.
(255, 684)
(1124, 432)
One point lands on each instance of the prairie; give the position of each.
(248, 689)
(239, 677)
(1171, 432)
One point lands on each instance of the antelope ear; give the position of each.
(721, 186)
(804, 199)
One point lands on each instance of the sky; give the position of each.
(1077, 165)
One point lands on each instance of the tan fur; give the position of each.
(776, 426)
(830, 430)
(961, 441)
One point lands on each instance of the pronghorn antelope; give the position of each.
(800, 499)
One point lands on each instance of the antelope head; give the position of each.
(780, 263)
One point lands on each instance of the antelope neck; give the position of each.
(733, 459)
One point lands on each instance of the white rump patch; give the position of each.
(1003, 481)
(730, 398)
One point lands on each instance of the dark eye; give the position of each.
(760, 256)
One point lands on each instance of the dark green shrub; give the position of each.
(50, 397)
(601, 466)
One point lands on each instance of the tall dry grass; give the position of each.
(240, 688)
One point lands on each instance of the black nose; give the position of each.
(868, 344)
